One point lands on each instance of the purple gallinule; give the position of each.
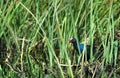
(81, 47)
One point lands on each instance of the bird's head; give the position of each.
(72, 40)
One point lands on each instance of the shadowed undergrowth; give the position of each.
(34, 35)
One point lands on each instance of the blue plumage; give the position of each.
(74, 42)
(80, 47)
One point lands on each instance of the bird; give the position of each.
(80, 47)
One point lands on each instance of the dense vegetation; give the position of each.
(34, 35)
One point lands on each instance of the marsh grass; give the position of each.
(34, 34)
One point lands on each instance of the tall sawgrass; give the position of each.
(35, 35)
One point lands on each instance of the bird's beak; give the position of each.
(70, 41)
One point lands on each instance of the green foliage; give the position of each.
(34, 34)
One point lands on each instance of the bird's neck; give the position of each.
(75, 46)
